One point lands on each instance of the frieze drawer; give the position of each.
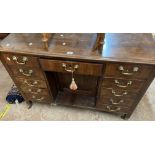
(128, 71)
(21, 60)
(69, 66)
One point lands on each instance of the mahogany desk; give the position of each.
(114, 81)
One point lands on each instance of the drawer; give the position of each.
(31, 82)
(27, 72)
(21, 60)
(35, 91)
(68, 66)
(111, 92)
(113, 108)
(127, 102)
(123, 84)
(123, 70)
(39, 98)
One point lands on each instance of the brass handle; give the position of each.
(26, 74)
(23, 62)
(115, 103)
(117, 95)
(38, 99)
(126, 72)
(113, 109)
(123, 86)
(35, 92)
(31, 84)
(70, 68)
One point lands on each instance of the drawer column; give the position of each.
(26, 73)
(123, 86)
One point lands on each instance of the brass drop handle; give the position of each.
(116, 103)
(126, 72)
(23, 61)
(35, 92)
(118, 95)
(70, 68)
(122, 86)
(29, 73)
(113, 109)
(31, 84)
(73, 86)
(39, 99)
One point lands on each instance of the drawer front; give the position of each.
(129, 71)
(31, 83)
(116, 101)
(39, 98)
(26, 72)
(68, 66)
(123, 84)
(111, 92)
(35, 91)
(21, 60)
(113, 108)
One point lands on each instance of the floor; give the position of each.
(145, 111)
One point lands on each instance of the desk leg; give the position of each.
(125, 117)
(29, 104)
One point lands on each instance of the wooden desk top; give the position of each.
(135, 48)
